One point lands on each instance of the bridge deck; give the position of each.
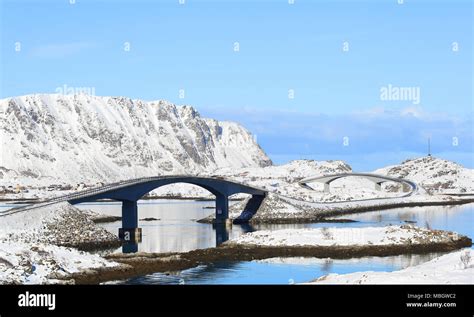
(376, 178)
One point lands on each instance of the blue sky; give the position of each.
(335, 56)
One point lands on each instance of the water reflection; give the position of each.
(173, 227)
(246, 227)
(176, 229)
(452, 218)
(277, 270)
(222, 233)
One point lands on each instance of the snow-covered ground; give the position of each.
(434, 174)
(283, 180)
(35, 246)
(39, 263)
(61, 144)
(453, 268)
(448, 177)
(276, 208)
(390, 235)
(60, 224)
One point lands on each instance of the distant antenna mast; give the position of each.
(429, 146)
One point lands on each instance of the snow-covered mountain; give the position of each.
(434, 174)
(80, 138)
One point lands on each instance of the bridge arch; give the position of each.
(375, 178)
(129, 192)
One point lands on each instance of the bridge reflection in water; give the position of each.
(222, 233)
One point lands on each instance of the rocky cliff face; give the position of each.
(81, 138)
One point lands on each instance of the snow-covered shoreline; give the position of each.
(367, 236)
(41, 245)
(453, 268)
(42, 236)
(278, 209)
(353, 245)
(60, 144)
(40, 263)
(31, 253)
(60, 224)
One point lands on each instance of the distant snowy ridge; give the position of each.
(433, 174)
(52, 138)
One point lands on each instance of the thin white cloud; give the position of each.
(374, 130)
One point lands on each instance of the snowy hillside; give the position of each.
(434, 174)
(69, 139)
(281, 179)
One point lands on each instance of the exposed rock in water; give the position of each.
(100, 218)
(149, 219)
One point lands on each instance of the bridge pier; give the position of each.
(326, 188)
(129, 214)
(250, 209)
(130, 247)
(130, 233)
(405, 188)
(222, 208)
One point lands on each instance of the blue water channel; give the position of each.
(177, 230)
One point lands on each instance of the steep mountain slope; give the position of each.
(81, 138)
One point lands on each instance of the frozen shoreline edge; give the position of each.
(138, 264)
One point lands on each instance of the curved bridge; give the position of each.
(130, 191)
(410, 186)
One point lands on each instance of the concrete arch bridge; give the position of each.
(407, 186)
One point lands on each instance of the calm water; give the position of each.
(176, 230)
